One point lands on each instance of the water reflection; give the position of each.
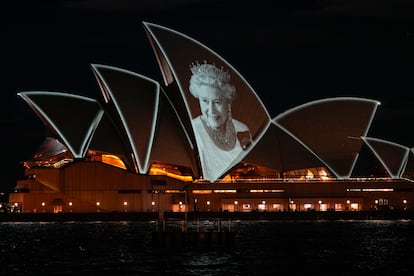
(260, 248)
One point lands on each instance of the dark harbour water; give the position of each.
(354, 247)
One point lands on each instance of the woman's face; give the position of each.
(214, 106)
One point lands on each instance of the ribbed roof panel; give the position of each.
(392, 156)
(72, 117)
(175, 53)
(280, 151)
(135, 99)
(331, 129)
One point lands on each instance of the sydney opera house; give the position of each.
(202, 140)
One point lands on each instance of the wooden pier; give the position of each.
(199, 233)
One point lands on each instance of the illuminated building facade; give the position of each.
(203, 141)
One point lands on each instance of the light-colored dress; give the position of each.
(215, 161)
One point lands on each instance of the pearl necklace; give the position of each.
(223, 139)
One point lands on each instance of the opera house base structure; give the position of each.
(204, 143)
(96, 187)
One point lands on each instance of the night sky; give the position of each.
(290, 52)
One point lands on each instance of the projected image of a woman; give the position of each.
(220, 138)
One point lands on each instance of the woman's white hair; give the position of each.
(209, 74)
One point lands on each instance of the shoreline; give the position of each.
(154, 216)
